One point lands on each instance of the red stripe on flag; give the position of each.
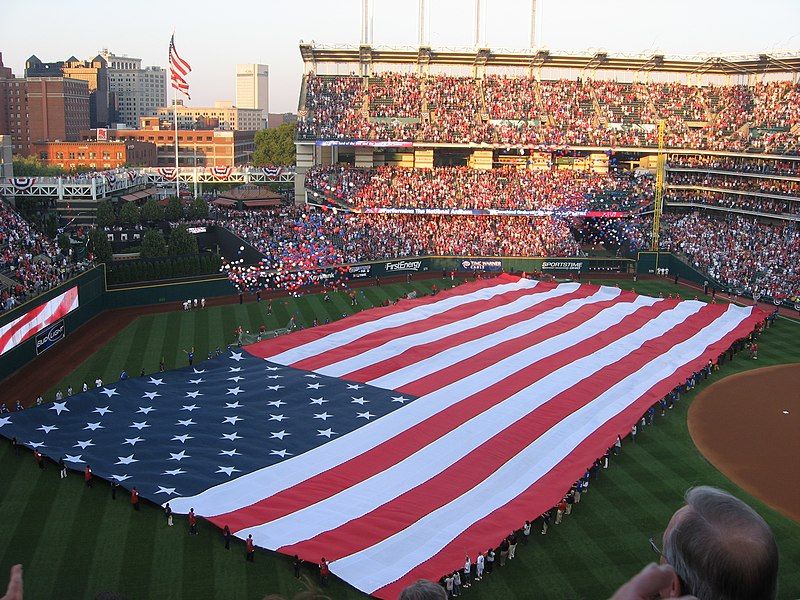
(547, 491)
(279, 345)
(64, 306)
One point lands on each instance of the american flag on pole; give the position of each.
(395, 441)
(178, 69)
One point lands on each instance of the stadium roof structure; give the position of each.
(750, 64)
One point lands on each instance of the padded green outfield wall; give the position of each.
(648, 262)
(159, 293)
(91, 292)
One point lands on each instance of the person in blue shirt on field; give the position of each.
(123, 376)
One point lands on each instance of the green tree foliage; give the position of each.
(182, 242)
(174, 210)
(63, 242)
(99, 245)
(152, 212)
(198, 209)
(51, 225)
(129, 214)
(105, 214)
(275, 146)
(30, 166)
(153, 244)
(164, 268)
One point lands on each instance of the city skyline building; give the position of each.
(252, 88)
(136, 91)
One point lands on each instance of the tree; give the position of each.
(30, 166)
(198, 209)
(99, 245)
(105, 214)
(64, 242)
(275, 146)
(153, 244)
(174, 210)
(129, 214)
(182, 242)
(152, 212)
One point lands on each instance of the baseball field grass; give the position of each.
(76, 542)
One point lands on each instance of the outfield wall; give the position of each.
(90, 302)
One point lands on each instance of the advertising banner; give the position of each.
(49, 336)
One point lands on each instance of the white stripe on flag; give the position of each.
(370, 570)
(419, 313)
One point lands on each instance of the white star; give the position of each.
(94, 426)
(236, 378)
(139, 425)
(232, 420)
(181, 438)
(5, 421)
(324, 416)
(275, 388)
(102, 410)
(185, 423)
(120, 477)
(33, 444)
(274, 376)
(230, 452)
(400, 399)
(110, 392)
(83, 445)
(314, 386)
(190, 407)
(231, 436)
(273, 368)
(279, 434)
(234, 369)
(150, 395)
(46, 428)
(193, 394)
(198, 371)
(233, 404)
(282, 453)
(76, 458)
(165, 490)
(177, 471)
(59, 407)
(227, 470)
(354, 386)
(360, 401)
(312, 375)
(278, 418)
(126, 460)
(237, 356)
(145, 409)
(132, 441)
(319, 401)
(276, 403)
(235, 391)
(196, 381)
(326, 432)
(156, 381)
(179, 456)
(365, 415)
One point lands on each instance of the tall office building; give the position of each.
(252, 88)
(135, 91)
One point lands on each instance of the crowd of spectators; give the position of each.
(763, 185)
(522, 110)
(735, 201)
(31, 262)
(741, 253)
(742, 164)
(503, 188)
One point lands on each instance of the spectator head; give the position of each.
(721, 548)
(423, 590)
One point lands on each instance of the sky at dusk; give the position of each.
(214, 36)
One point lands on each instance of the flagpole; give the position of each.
(175, 115)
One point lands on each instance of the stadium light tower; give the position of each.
(366, 22)
(479, 41)
(421, 23)
(533, 23)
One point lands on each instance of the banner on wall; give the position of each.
(482, 265)
(37, 319)
(49, 336)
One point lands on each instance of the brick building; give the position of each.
(223, 115)
(135, 91)
(96, 155)
(201, 147)
(41, 109)
(94, 72)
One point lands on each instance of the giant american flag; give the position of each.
(395, 441)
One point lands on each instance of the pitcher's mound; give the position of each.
(748, 426)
